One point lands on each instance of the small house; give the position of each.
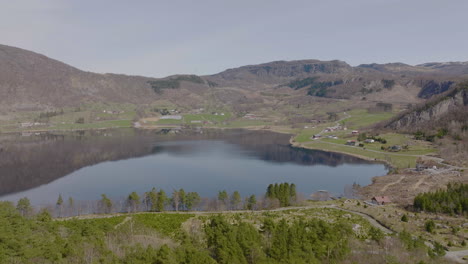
(395, 148)
(369, 140)
(381, 200)
(355, 132)
(421, 167)
(321, 195)
(176, 117)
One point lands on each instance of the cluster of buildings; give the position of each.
(176, 117)
(251, 117)
(112, 112)
(31, 124)
(335, 128)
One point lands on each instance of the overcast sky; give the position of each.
(160, 38)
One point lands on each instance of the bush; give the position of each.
(404, 218)
(430, 226)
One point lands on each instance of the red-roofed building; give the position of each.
(381, 200)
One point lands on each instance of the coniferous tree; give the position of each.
(453, 200)
(193, 200)
(235, 200)
(223, 199)
(292, 192)
(133, 202)
(182, 199)
(175, 200)
(153, 199)
(59, 204)
(251, 202)
(105, 204)
(162, 199)
(71, 205)
(24, 206)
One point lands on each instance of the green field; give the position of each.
(96, 125)
(396, 159)
(362, 118)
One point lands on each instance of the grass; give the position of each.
(305, 134)
(206, 117)
(168, 122)
(246, 123)
(96, 125)
(362, 118)
(166, 224)
(390, 216)
(399, 161)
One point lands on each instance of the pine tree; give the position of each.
(24, 206)
(105, 205)
(251, 202)
(71, 205)
(133, 202)
(292, 192)
(235, 200)
(162, 199)
(193, 200)
(175, 200)
(59, 204)
(183, 199)
(270, 191)
(153, 199)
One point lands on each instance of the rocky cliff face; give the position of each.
(433, 111)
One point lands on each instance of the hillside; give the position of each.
(33, 82)
(443, 120)
(30, 81)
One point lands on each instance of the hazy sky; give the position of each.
(159, 38)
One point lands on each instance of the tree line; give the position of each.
(453, 200)
(157, 200)
(285, 193)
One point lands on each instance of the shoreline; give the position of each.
(299, 145)
(251, 128)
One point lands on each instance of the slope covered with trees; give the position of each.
(453, 200)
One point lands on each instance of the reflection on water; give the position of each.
(116, 162)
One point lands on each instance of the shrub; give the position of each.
(404, 218)
(429, 226)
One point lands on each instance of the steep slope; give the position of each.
(441, 111)
(443, 120)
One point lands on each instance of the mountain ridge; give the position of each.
(32, 81)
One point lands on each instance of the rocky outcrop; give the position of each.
(433, 111)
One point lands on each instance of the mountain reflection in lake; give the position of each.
(85, 165)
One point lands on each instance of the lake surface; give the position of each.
(84, 165)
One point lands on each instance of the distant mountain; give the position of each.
(30, 81)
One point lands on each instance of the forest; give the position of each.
(453, 200)
(314, 236)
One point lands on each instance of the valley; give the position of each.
(353, 133)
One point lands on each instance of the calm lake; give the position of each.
(84, 165)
